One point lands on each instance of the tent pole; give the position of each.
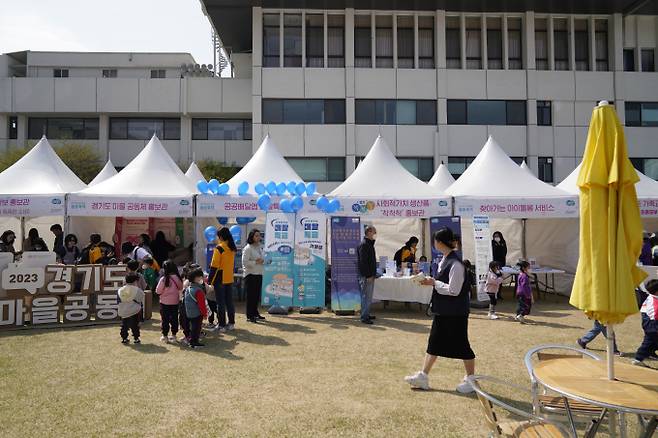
(195, 220)
(523, 236)
(22, 232)
(67, 219)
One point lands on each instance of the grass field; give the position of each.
(300, 375)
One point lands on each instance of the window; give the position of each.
(487, 112)
(494, 43)
(545, 170)
(319, 169)
(405, 37)
(648, 166)
(221, 129)
(514, 44)
(158, 74)
(629, 59)
(641, 113)
(581, 44)
(314, 40)
(336, 41)
(541, 44)
(561, 44)
(473, 43)
(110, 73)
(122, 128)
(420, 167)
(453, 43)
(63, 128)
(271, 40)
(425, 42)
(60, 73)
(292, 40)
(647, 60)
(544, 114)
(457, 165)
(362, 41)
(304, 111)
(601, 44)
(12, 127)
(395, 112)
(519, 160)
(384, 41)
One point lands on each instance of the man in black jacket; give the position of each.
(367, 271)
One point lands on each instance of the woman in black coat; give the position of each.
(499, 248)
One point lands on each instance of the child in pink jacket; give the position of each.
(492, 286)
(169, 289)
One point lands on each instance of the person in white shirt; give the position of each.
(252, 268)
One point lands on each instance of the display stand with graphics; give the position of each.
(345, 238)
(483, 253)
(278, 274)
(310, 263)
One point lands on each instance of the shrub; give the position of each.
(215, 169)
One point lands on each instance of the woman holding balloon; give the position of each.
(220, 276)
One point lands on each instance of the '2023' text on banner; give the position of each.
(310, 263)
(345, 238)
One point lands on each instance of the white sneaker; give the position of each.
(493, 316)
(230, 327)
(419, 380)
(184, 341)
(520, 318)
(172, 339)
(213, 328)
(222, 329)
(465, 387)
(639, 363)
(163, 338)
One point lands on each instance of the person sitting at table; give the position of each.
(406, 254)
(7, 242)
(499, 249)
(34, 242)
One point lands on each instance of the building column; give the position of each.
(4, 132)
(104, 135)
(21, 137)
(440, 39)
(185, 152)
(529, 54)
(616, 41)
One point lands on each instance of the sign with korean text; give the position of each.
(345, 238)
(518, 208)
(483, 253)
(112, 206)
(245, 206)
(310, 263)
(278, 273)
(31, 205)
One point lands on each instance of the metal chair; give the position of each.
(532, 425)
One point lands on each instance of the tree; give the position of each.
(218, 170)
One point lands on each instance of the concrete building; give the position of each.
(435, 78)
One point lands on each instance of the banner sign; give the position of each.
(518, 208)
(436, 223)
(310, 263)
(247, 206)
(396, 208)
(278, 273)
(483, 253)
(111, 206)
(57, 295)
(648, 207)
(345, 238)
(31, 205)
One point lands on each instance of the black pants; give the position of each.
(184, 322)
(195, 329)
(253, 284)
(648, 347)
(132, 323)
(212, 309)
(169, 315)
(224, 297)
(493, 299)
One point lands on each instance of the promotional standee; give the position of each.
(483, 253)
(345, 238)
(310, 263)
(436, 223)
(278, 273)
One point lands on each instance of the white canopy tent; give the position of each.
(442, 179)
(194, 173)
(107, 172)
(525, 167)
(35, 187)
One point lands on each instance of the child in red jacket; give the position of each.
(195, 305)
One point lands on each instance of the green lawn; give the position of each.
(301, 375)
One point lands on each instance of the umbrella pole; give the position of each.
(611, 352)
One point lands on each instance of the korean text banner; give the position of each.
(345, 238)
(240, 206)
(112, 206)
(395, 208)
(310, 264)
(483, 253)
(31, 205)
(518, 208)
(278, 273)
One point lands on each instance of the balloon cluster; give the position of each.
(213, 187)
(295, 191)
(325, 205)
(210, 233)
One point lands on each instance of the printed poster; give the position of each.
(436, 223)
(345, 238)
(483, 253)
(278, 273)
(310, 263)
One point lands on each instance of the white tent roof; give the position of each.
(645, 188)
(39, 172)
(380, 175)
(494, 175)
(107, 172)
(194, 174)
(267, 164)
(442, 179)
(151, 173)
(525, 167)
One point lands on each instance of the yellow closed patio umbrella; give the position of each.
(610, 227)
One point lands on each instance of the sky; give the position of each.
(106, 26)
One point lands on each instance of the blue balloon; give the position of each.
(223, 189)
(281, 189)
(297, 203)
(243, 188)
(300, 189)
(210, 233)
(245, 220)
(222, 220)
(285, 206)
(310, 189)
(259, 188)
(264, 202)
(334, 205)
(202, 186)
(292, 187)
(236, 232)
(213, 185)
(322, 203)
(271, 188)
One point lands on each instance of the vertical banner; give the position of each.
(278, 274)
(345, 238)
(436, 223)
(483, 253)
(310, 263)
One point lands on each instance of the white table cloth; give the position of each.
(402, 289)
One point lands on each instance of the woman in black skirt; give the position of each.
(449, 333)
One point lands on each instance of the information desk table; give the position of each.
(402, 289)
(634, 391)
(548, 286)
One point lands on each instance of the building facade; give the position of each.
(434, 81)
